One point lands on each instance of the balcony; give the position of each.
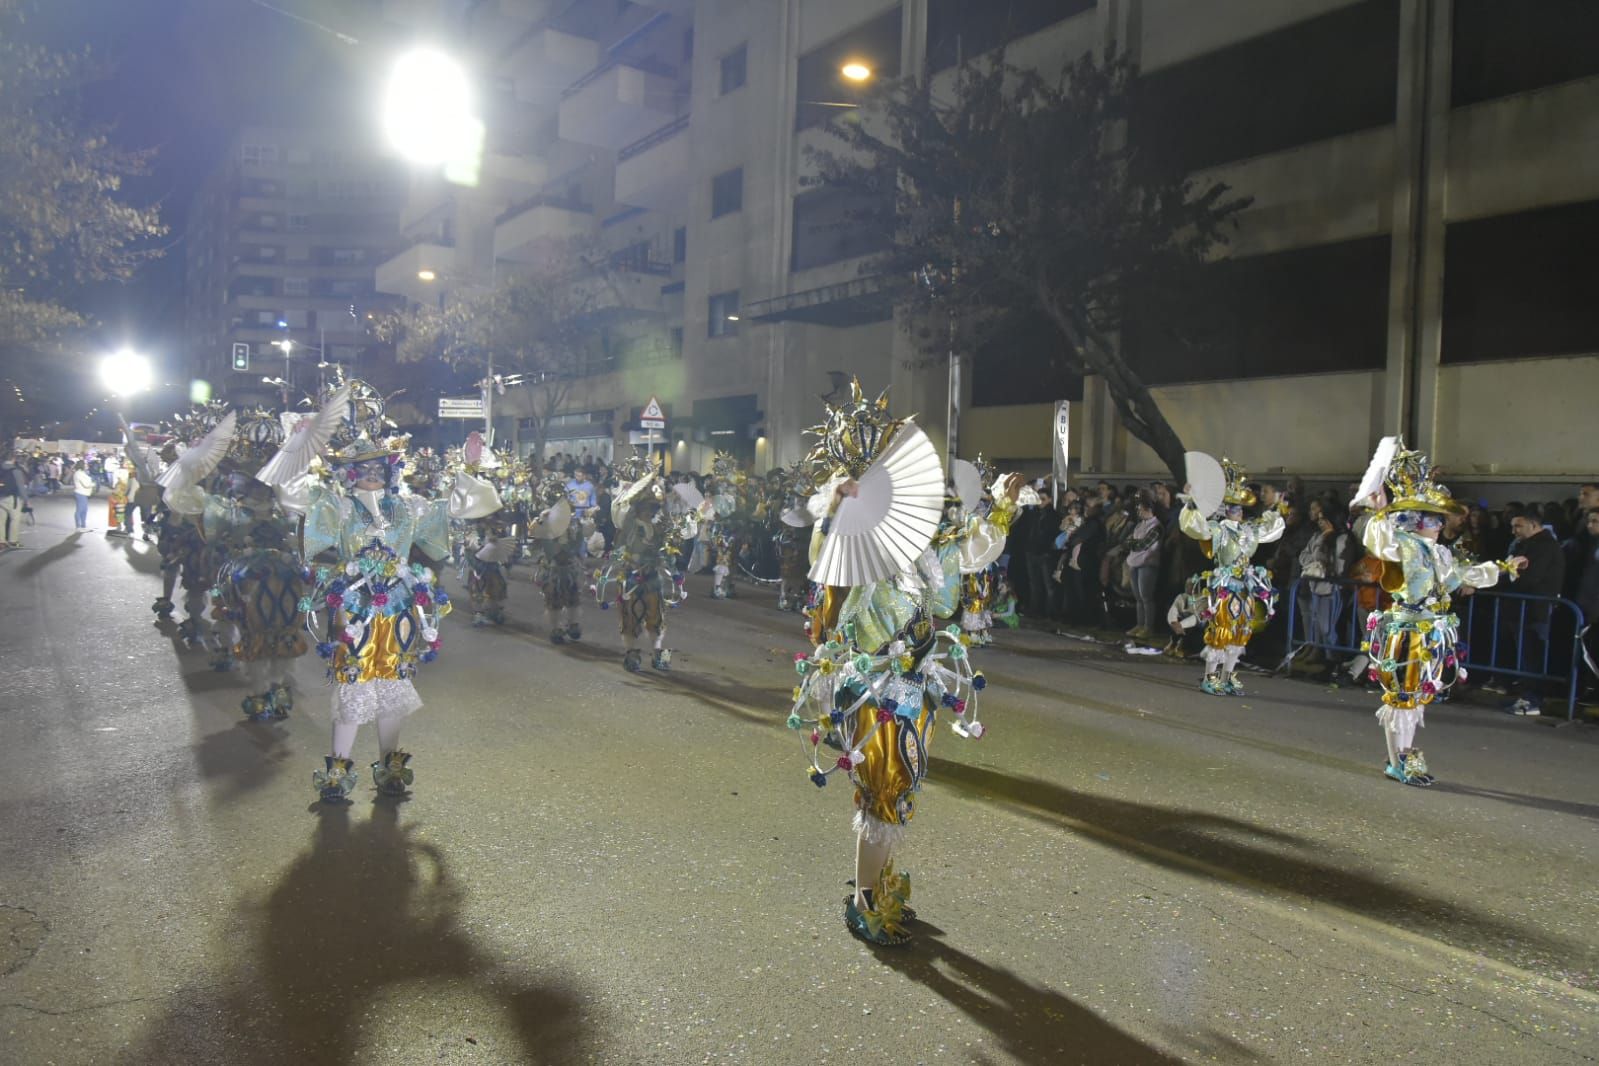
(398, 274)
(530, 231)
(619, 296)
(616, 104)
(545, 61)
(652, 172)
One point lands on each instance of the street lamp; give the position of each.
(428, 114)
(856, 71)
(125, 372)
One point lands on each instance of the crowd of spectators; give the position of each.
(1100, 556)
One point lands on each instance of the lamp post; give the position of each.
(488, 379)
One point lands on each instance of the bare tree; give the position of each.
(542, 328)
(1017, 202)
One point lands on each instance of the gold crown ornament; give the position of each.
(853, 435)
(1411, 486)
(1238, 493)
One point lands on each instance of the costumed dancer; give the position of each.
(1411, 645)
(479, 503)
(181, 541)
(792, 541)
(881, 669)
(720, 531)
(559, 542)
(648, 540)
(1239, 596)
(383, 609)
(260, 583)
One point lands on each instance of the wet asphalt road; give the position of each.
(602, 867)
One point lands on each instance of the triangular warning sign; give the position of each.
(652, 410)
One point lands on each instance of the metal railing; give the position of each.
(1349, 631)
(650, 140)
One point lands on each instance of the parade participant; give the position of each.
(383, 609)
(251, 548)
(648, 540)
(792, 541)
(721, 531)
(1239, 596)
(558, 542)
(181, 540)
(476, 501)
(881, 669)
(1412, 643)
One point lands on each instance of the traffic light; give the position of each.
(241, 356)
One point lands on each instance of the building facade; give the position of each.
(283, 243)
(1425, 176)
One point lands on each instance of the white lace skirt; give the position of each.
(367, 701)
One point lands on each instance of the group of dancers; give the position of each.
(291, 532)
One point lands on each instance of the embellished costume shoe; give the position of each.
(163, 609)
(1213, 685)
(280, 698)
(718, 593)
(662, 660)
(257, 708)
(1412, 770)
(337, 781)
(392, 774)
(574, 632)
(882, 922)
(1234, 686)
(633, 661)
(557, 635)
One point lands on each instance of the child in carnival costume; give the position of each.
(185, 484)
(881, 669)
(1412, 644)
(559, 542)
(1239, 596)
(382, 607)
(792, 541)
(648, 541)
(260, 582)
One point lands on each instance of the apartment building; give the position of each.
(282, 245)
(1425, 176)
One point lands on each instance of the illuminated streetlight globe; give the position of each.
(126, 372)
(427, 108)
(856, 71)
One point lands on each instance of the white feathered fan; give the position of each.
(307, 441)
(196, 463)
(1207, 481)
(1371, 486)
(891, 519)
(139, 452)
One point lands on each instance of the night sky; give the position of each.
(183, 76)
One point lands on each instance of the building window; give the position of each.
(677, 342)
(349, 256)
(833, 224)
(258, 153)
(297, 286)
(727, 192)
(300, 222)
(821, 82)
(680, 244)
(723, 315)
(734, 69)
(958, 30)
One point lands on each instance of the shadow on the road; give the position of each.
(1033, 1023)
(1542, 803)
(1226, 847)
(366, 909)
(69, 544)
(248, 756)
(142, 556)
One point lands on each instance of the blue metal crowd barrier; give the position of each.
(1349, 631)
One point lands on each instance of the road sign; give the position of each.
(241, 356)
(652, 417)
(646, 436)
(461, 407)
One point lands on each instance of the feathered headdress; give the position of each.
(1238, 493)
(855, 433)
(1411, 486)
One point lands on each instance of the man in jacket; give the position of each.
(1545, 575)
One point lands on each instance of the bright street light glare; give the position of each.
(425, 275)
(427, 108)
(855, 71)
(126, 372)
